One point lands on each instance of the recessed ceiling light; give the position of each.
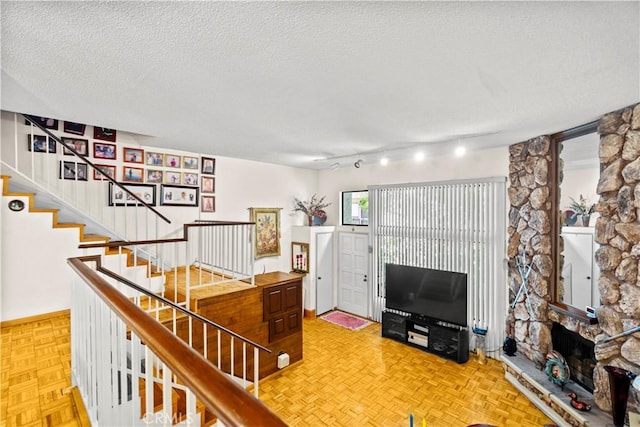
(419, 156)
(460, 150)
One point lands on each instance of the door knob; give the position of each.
(319, 278)
(588, 277)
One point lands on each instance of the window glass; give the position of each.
(355, 207)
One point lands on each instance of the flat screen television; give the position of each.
(436, 294)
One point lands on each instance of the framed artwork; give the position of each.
(81, 172)
(172, 161)
(267, 242)
(104, 134)
(208, 204)
(208, 166)
(189, 178)
(104, 151)
(178, 195)
(74, 128)
(154, 159)
(130, 174)
(119, 197)
(133, 155)
(154, 176)
(172, 177)
(109, 170)
(45, 122)
(40, 144)
(80, 145)
(74, 171)
(208, 184)
(190, 162)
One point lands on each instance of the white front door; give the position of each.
(352, 276)
(324, 273)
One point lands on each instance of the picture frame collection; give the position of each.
(185, 180)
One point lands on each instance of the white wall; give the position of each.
(35, 276)
(474, 164)
(579, 182)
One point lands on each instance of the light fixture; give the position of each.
(334, 166)
(460, 150)
(358, 163)
(419, 156)
(384, 160)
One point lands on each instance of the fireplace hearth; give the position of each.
(578, 352)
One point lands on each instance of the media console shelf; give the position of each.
(442, 339)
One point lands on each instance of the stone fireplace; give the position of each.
(533, 188)
(578, 352)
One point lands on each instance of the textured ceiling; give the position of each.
(292, 83)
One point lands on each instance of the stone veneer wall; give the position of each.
(617, 231)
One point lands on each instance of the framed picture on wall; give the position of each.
(74, 128)
(189, 178)
(208, 184)
(208, 204)
(133, 155)
(208, 166)
(172, 177)
(73, 171)
(119, 197)
(104, 151)
(154, 176)
(109, 170)
(154, 159)
(178, 195)
(190, 162)
(80, 145)
(105, 134)
(40, 143)
(45, 122)
(172, 161)
(267, 222)
(132, 174)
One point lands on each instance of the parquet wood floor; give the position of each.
(36, 375)
(347, 378)
(358, 378)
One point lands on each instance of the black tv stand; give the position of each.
(440, 338)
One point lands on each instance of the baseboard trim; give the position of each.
(309, 314)
(36, 318)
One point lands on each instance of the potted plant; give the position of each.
(581, 209)
(311, 208)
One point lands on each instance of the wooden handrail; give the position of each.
(184, 238)
(226, 399)
(35, 123)
(98, 260)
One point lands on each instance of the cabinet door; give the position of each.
(292, 296)
(273, 302)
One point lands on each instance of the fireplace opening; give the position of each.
(578, 352)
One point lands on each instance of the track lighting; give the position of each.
(334, 166)
(384, 161)
(358, 163)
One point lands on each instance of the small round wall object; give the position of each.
(16, 205)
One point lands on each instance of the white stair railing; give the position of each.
(38, 158)
(124, 378)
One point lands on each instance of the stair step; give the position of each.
(178, 404)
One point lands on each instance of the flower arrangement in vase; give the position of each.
(312, 207)
(581, 209)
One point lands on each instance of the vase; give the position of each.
(319, 218)
(585, 220)
(309, 220)
(619, 381)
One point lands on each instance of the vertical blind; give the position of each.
(455, 225)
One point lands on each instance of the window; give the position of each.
(355, 207)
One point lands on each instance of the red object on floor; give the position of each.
(346, 320)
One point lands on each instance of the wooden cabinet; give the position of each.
(282, 308)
